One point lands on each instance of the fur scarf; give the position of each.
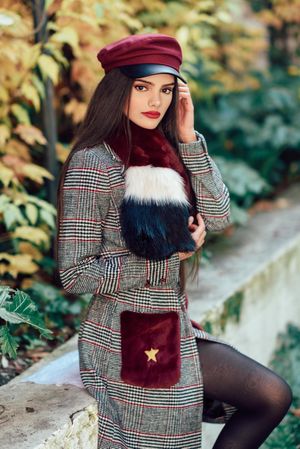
(158, 195)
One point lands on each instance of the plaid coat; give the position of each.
(93, 258)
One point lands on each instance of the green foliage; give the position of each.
(9, 344)
(286, 362)
(245, 185)
(59, 311)
(17, 309)
(257, 134)
(57, 317)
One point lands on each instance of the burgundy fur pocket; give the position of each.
(150, 346)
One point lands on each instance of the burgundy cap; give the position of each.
(142, 55)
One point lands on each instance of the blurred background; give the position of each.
(242, 61)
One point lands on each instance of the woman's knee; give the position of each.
(241, 381)
(285, 394)
(277, 395)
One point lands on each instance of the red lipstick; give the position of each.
(151, 114)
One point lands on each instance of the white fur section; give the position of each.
(156, 184)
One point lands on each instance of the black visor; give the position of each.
(140, 70)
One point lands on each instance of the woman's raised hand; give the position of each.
(198, 233)
(185, 114)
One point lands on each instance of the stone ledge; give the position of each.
(35, 416)
(254, 275)
(250, 290)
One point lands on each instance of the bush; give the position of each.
(17, 307)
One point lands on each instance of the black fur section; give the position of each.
(155, 231)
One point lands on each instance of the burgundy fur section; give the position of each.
(150, 146)
(142, 331)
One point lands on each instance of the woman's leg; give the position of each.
(261, 396)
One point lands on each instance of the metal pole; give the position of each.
(48, 115)
(47, 108)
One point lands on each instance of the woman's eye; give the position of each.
(168, 89)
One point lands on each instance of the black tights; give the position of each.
(261, 397)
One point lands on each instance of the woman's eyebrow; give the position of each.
(149, 82)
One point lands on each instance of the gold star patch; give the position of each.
(152, 354)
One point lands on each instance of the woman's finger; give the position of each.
(190, 220)
(186, 255)
(199, 236)
(200, 219)
(199, 230)
(200, 242)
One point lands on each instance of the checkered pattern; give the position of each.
(93, 258)
(212, 198)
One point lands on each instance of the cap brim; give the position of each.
(141, 70)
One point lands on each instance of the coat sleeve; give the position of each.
(212, 195)
(83, 264)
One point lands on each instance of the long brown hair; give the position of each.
(105, 118)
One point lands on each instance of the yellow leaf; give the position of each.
(207, 18)
(15, 163)
(26, 283)
(30, 134)
(4, 111)
(294, 70)
(4, 134)
(48, 67)
(82, 73)
(36, 172)
(31, 234)
(38, 84)
(30, 93)
(16, 148)
(56, 53)
(4, 96)
(53, 7)
(76, 109)
(20, 263)
(28, 248)
(20, 198)
(20, 113)
(14, 23)
(6, 175)
(62, 152)
(48, 3)
(69, 36)
(31, 213)
(224, 16)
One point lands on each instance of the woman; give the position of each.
(137, 194)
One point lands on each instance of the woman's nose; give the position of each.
(154, 101)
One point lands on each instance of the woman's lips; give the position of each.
(151, 114)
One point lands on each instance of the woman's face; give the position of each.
(150, 94)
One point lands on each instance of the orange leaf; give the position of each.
(30, 134)
(28, 248)
(16, 148)
(82, 73)
(16, 164)
(4, 134)
(76, 109)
